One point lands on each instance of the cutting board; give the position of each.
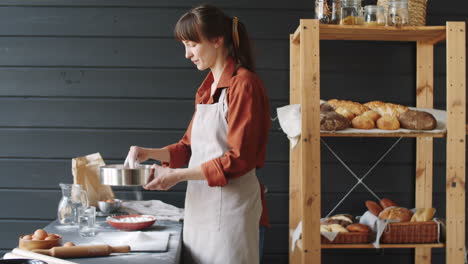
(138, 240)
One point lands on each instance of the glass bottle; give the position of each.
(351, 12)
(322, 12)
(374, 15)
(398, 14)
(336, 12)
(73, 197)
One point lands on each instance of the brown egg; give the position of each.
(69, 244)
(39, 234)
(52, 236)
(27, 237)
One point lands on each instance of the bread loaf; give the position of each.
(386, 108)
(354, 107)
(385, 202)
(388, 122)
(331, 121)
(373, 207)
(326, 107)
(338, 228)
(363, 122)
(345, 112)
(372, 115)
(400, 214)
(358, 228)
(417, 120)
(423, 215)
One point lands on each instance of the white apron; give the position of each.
(220, 223)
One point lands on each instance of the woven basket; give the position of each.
(416, 8)
(349, 238)
(410, 232)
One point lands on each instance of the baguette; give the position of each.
(353, 107)
(386, 108)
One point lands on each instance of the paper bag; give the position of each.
(86, 172)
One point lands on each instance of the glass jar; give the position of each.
(374, 15)
(335, 12)
(322, 12)
(398, 14)
(351, 12)
(73, 197)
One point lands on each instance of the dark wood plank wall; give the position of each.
(85, 76)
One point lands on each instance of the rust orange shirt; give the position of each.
(248, 121)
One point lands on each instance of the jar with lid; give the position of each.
(322, 11)
(374, 15)
(351, 12)
(335, 12)
(398, 14)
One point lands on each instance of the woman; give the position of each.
(223, 145)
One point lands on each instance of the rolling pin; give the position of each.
(83, 251)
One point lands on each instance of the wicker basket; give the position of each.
(416, 8)
(410, 232)
(349, 238)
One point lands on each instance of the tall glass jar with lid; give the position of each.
(398, 14)
(351, 12)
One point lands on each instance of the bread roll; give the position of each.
(386, 108)
(345, 217)
(341, 219)
(362, 122)
(400, 214)
(388, 122)
(417, 120)
(358, 228)
(325, 228)
(344, 112)
(373, 207)
(423, 215)
(338, 228)
(326, 107)
(331, 121)
(353, 107)
(372, 115)
(385, 202)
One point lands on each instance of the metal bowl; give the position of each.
(117, 175)
(108, 207)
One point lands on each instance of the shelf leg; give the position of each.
(456, 118)
(424, 145)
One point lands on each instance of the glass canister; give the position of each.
(374, 15)
(398, 14)
(335, 12)
(351, 12)
(322, 11)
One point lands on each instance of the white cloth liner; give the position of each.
(289, 117)
(138, 241)
(162, 211)
(17, 253)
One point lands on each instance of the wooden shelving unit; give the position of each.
(305, 194)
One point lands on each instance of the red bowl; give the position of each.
(131, 226)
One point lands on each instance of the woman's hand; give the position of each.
(135, 156)
(162, 178)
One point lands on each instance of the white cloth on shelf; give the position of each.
(161, 210)
(290, 121)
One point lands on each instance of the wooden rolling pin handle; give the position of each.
(83, 251)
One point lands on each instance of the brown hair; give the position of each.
(209, 22)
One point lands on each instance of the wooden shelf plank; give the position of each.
(397, 134)
(437, 245)
(429, 34)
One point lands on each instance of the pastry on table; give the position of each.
(345, 112)
(332, 121)
(372, 115)
(399, 214)
(363, 122)
(358, 228)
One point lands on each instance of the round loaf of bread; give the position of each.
(417, 120)
(358, 228)
(332, 121)
(399, 214)
(388, 122)
(363, 122)
(326, 107)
